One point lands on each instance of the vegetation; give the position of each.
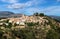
(36, 14)
(33, 30)
(39, 14)
(52, 35)
(31, 23)
(23, 34)
(1, 34)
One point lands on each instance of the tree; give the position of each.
(9, 25)
(41, 14)
(15, 24)
(7, 21)
(31, 23)
(24, 34)
(36, 14)
(52, 35)
(1, 34)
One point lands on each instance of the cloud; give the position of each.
(52, 10)
(10, 1)
(30, 11)
(15, 4)
(18, 5)
(58, 0)
(30, 6)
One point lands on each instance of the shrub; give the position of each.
(32, 23)
(9, 25)
(15, 24)
(41, 14)
(52, 35)
(23, 34)
(7, 21)
(36, 14)
(1, 34)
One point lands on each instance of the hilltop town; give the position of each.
(36, 26)
(20, 21)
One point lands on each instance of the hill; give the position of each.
(37, 26)
(5, 13)
(55, 17)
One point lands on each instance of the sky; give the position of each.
(29, 7)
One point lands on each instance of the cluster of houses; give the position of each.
(2, 22)
(17, 20)
(22, 19)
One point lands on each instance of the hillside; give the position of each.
(37, 26)
(8, 14)
(5, 13)
(56, 17)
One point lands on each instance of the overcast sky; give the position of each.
(49, 7)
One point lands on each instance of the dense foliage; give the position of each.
(39, 14)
